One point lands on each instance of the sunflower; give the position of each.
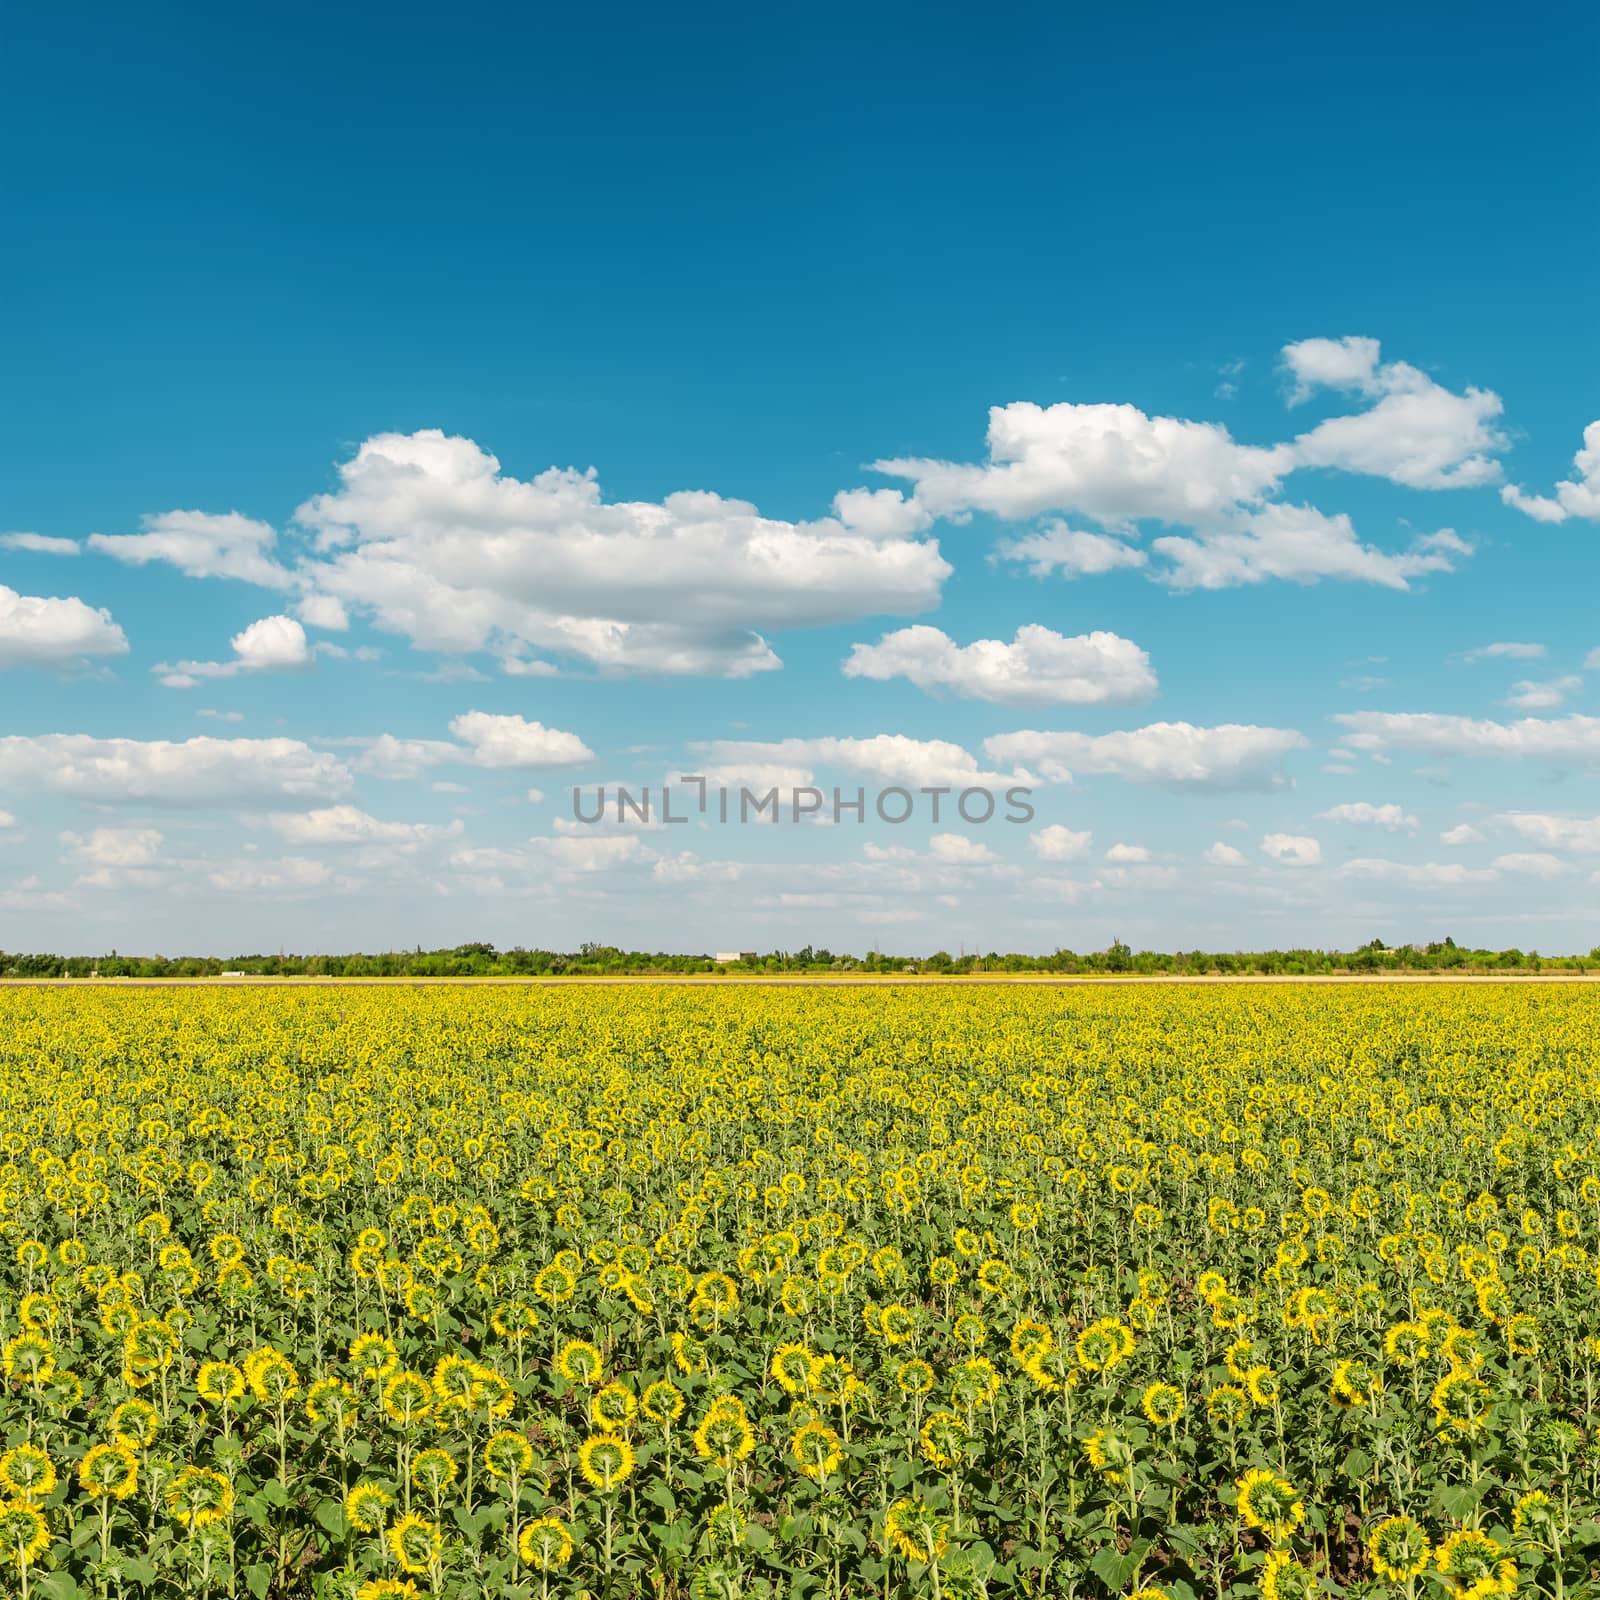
(389, 1589)
(1270, 1503)
(916, 1530)
(24, 1534)
(1162, 1403)
(198, 1497)
(791, 1365)
(27, 1473)
(605, 1459)
(1399, 1549)
(816, 1452)
(662, 1402)
(943, 1440)
(407, 1398)
(545, 1544)
(612, 1408)
(1472, 1565)
(724, 1434)
(109, 1471)
(507, 1455)
(415, 1543)
(219, 1383)
(137, 1421)
(366, 1506)
(433, 1471)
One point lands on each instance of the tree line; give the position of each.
(600, 960)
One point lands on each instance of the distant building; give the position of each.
(725, 956)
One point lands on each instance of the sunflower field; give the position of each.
(1191, 1293)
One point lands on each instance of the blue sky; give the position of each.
(1242, 362)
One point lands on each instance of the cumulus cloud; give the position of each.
(1531, 694)
(1532, 864)
(427, 534)
(1578, 834)
(289, 875)
(1462, 833)
(323, 611)
(960, 850)
(1059, 843)
(40, 632)
(1572, 740)
(1298, 544)
(1348, 363)
(347, 825)
(274, 644)
(1128, 854)
(889, 757)
(1577, 496)
(1110, 462)
(1416, 433)
(1224, 855)
(40, 544)
(201, 544)
(199, 771)
(1291, 849)
(1038, 667)
(1506, 650)
(116, 847)
(511, 741)
(1365, 814)
(1175, 755)
(1071, 552)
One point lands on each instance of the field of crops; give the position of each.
(800, 1292)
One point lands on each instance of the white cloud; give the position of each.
(1533, 864)
(1173, 754)
(1529, 694)
(1577, 496)
(199, 771)
(1038, 667)
(592, 852)
(890, 757)
(1506, 650)
(201, 545)
(1111, 462)
(219, 716)
(323, 611)
(116, 847)
(1365, 813)
(1462, 833)
(291, 874)
(1349, 363)
(40, 632)
(960, 850)
(1579, 834)
(1224, 855)
(879, 513)
(40, 544)
(1291, 849)
(1059, 843)
(1071, 552)
(346, 825)
(1422, 874)
(428, 534)
(1128, 854)
(1418, 433)
(1572, 740)
(1298, 544)
(274, 644)
(397, 760)
(510, 741)
(7, 820)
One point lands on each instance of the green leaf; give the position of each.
(259, 1579)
